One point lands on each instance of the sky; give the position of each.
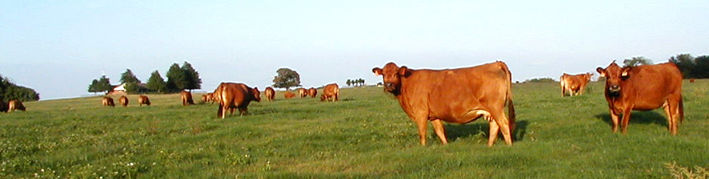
(59, 47)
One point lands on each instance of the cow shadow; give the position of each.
(482, 129)
(639, 117)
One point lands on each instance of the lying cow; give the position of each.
(459, 95)
(142, 99)
(15, 105)
(235, 95)
(107, 101)
(270, 93)
(288, 95)
(574, 85)
(312, 92)
(186, 98)
(123, 100)
(331, 92)
(643, 88)
(302, 92)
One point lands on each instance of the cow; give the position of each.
(312, 92)
(459, 95)
(142, 99)
(186, 98)
(643, 88)
(331, 92)
(15, 105)
(302, 92)
(691, 80)
(123, 100)
(574, 84)
(207, 98)
(288, 95)
(107, 101)
(235, 95)
(270, 93)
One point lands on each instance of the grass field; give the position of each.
(366, 134)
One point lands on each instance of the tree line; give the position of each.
(355, 82)
(10, 91)
(178, 79)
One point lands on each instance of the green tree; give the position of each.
(10, 91)
(129, 77)
(191, 80)
(636, 61)
(701, 67)
(93, 87)
(156, 83)
(175, 78)
(349, 82)
(286, 78)
(685, 63)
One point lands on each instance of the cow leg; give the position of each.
(494, 130)
(440, 131)
(220, 111)
(243, 111)
(626, 119)
(503, 123)
(672, 111)
(422, 126)
(614, 119)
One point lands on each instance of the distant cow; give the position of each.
(15, 105)
(331, 92)
(302, 92)
(312, 92)
(691, 80)
(288, 95)
(574, 85)
(142, 99)
(459, 95)
(643, 88)
(186, 98)
(107, 101)
(235, 96)
(207, 98)
(123, 100)
(270, 93)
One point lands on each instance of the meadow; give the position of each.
(364, 135)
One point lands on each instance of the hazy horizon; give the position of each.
(58, 48)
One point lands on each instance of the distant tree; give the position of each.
(685, 63)
(175, 78)
(156, 83)
(701, 67)
(129, 77)
(636, 61)
(10, 91)
(104, 84)
(93, 87)
(361, 81)
(191, 80)
(286, 78)
(349, 82)
(536, 80)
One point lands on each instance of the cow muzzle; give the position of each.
(614, 90)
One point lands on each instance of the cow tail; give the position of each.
(681, 110)
(510, 104)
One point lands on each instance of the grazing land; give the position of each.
(365, 134)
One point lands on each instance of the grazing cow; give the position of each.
(331, 92)
(643, 88)
(123, 100)
(302, 92)
(288, 95)
(235, 95)
(459, 95)
(691, 80)
(186, 98)
(270, 93)
(574, 84)
(142, 99)
(15, 105)
(312, 92)
(108, 101)
(207, 98)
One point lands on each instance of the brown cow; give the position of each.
(186, 98)
(142, 99)
(235, 95)
(123, 100)
(15, 105)
(312, 92)
(107, 101)
(574, 84)
(691, 80)
(302, 92)
(288, 95)
(459, 95)
(331, 92)
(643, 88)
(207, 98)
(270, 93)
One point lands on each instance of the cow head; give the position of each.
(256, 93)
(614, 76)
(587, 76)
(392, 75)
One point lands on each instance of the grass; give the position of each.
(366, 134)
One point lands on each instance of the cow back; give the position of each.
(648, 86)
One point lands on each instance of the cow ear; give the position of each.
(377, 71)
(624, 72)
(404, 71)
(601, 72)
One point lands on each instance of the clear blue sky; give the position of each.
(58, 47)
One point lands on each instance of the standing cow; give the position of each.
(312, 92)
(270, 93)
(15, 105)
(235, 95)
(186, 98)
(142, 99)
(643, 88)
(207, 98)
(302, 92)
(574, 85)
(459, 95)
(331, 92)
(123, 100)
(107, 101)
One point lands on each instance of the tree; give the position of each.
(156, 83)
(349, 82)
(636, 61)
(93, 86)
(100, 85)
(701, 67)
(286, 78)
(175, 78)
(191, 80)
(685, 63)
(10, 91)
(129, 77)
(361, 81)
